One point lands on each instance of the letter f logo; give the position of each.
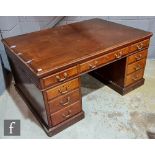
(11, 126)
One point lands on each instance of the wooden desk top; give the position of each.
(55, 48)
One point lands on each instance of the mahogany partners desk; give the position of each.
(47, 66)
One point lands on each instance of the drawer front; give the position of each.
(140, 45)
(84, 67)
(138, 56)
(59, 77)
(64, 101)
(136, 66)
(66, 113)
(92, 64)
(134, 77)
(113, 56)
(62, 89)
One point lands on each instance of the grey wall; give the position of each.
(12, 26)
(2, 83)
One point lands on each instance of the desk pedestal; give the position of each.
(121, 75)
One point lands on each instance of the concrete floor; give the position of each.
(107, 114)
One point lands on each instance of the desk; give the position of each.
(47, 66)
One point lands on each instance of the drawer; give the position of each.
(92, 64)
(112, 56)
(66, 113)
(89, 65)
(134, 77)
(140, 45)
(138, 56)
(62, 89)
(59, 77)
(64, 101)
(136, 66)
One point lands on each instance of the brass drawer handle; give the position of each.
(118, 55)
(66, 103)
(138, 67)
(93, 65)
(61, 79)
(68, 115)
(63, 92)
(138, 57)
(135, 78)
(140, 46)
